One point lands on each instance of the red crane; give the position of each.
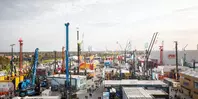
(21, 56)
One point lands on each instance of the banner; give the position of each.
(171, 56)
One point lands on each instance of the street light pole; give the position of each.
(78, 46)
(11, 62)
(55, 62)
(176, 59)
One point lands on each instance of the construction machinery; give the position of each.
(78, 46)
(148, 52)
(88, 66)
(21, 59)
(63, 60)
(29, 87)
(67, 82)
(42, 75)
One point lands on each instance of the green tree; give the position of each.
(4, 62)
(40, 57)
(7, 68)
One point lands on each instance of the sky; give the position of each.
(40, 23)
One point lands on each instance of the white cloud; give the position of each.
(103, 22)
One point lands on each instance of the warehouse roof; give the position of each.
(135, 92)
(169, 68)
(156, 92)
(133, 82)
(190, 72)
(64, 76)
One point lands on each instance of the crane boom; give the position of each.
(36, 54)
(67, 54)
(151, 47)
(148, 51)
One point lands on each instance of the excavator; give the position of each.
(31, 86)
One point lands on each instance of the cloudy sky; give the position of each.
(40, 23)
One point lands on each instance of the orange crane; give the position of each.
(63, 59)
(21, 56)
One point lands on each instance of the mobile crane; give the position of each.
(147, 54)
(30, 87)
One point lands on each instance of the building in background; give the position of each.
(169, 56)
